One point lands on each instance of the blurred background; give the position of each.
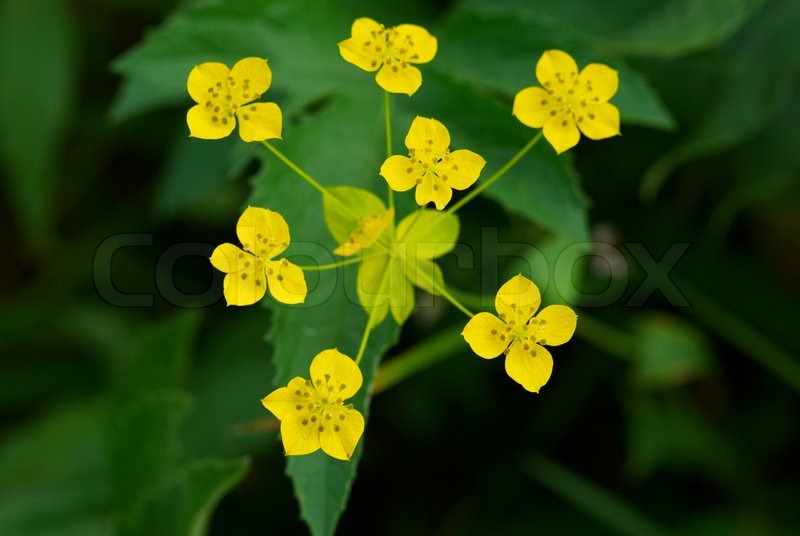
(129, 393)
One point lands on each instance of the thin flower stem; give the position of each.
(498, 174)
(333, 265)
(449, 297)
(365, 337)
(294, 167)
(388, 119)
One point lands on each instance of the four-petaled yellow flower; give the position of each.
(392, 50)
(569, 101)
(430, 166)
(224, 95)
(312, 412)
(519, 334)
(368, 230)
(263, 234)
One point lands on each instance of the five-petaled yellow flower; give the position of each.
(312, 412)
(392, 50)
(263, 234)
(519, 334)
(569, 101)
(224, 95)
(430, 166)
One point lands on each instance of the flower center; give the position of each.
(567, 96)
(225, 99)
(395, 49)
(430, 167)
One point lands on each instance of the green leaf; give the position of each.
(670, 352)
(751, 73)
(52, 474)
(347, 133)
(678, 27)
(542, 187)
(185, 503)
(298, 39)
(499, 53)
(37, 47)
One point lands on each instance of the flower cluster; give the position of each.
(395, 256)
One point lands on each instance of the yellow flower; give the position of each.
(312, 412)
(430, 166)
(263, 234)
(519, 334)
(224, 95)
(391, 50)
(368, 230)
(569, 101)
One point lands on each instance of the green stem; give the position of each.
(365, 337)
(388, 119)
(443, 291)
(740, 334)
(294, 167)
(420, 357)
(333, 265)
(498, 174)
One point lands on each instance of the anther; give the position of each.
(244, 276)
(298, 407)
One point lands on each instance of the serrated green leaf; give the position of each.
(339, 144)
(298, 39)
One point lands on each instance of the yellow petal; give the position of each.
(531, 368)
(557, 324)
(244, 287)
(483, 334)
(555, 69)
(600, 121)
(204, 124)
(360, 48)
(287, 284)
(286, 400)
(251, 78)
(260, 121)
(437, 192)
(561, 132)
(427, 136)
(518, 298)
(421, 44)
(532, 107)
(339, 437)
(401, 291)
(228, 259)
(399, 173)
(263, 232)
(331, 368)
(203, 80)
(463, 168)
(399, 78)
(603, 80)
(299, 435)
